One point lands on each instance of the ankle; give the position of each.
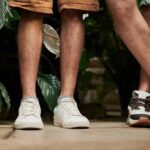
(60, 98)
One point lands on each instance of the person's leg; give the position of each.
(143, 91)
(142, 95)
(72, 39)
(66, 113)
(29, 45)
(135, 32)
(130, 24)
(144, 84)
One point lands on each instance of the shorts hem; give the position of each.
(33, 9)
(87, 8)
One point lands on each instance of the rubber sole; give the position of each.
(23, 126)
(73, 126)
(141, 122)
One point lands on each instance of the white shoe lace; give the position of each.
(71, 107)
(29, 108)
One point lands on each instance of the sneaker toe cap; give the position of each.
(77, 121)
(28, 122)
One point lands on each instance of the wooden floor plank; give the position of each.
(101, 136)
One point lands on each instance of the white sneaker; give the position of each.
(67, 115)
(29, 115)
(139, 109)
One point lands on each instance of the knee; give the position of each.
(74, 16)
(122, 8)
(126, 8)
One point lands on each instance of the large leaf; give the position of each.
(50, 88)
(144, 2)
(4, 11)
(7, 15)
(51, 40)
(4, 97)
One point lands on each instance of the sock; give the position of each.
(62, 97)
(27, 97)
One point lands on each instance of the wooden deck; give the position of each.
(104, 135)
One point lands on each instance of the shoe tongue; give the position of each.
(140, 94)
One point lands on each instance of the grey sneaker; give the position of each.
(29, 116)
(139, 109)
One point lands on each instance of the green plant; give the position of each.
(4, 98)
(49, 86)
(7, 15)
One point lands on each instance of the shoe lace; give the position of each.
(135, 103)
(29, 108)
(147, 104)
(71, 107)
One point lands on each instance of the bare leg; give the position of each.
(130, 24)
(29, 43)
(144, 84)
(66, 114)
(144, 78)
(72, 37)
(135, 32)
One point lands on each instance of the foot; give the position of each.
(29, 116)
(139, 109)
(67, 115)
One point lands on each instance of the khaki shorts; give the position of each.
(45, 6)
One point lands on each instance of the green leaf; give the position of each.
(50, 88)
(4, 97)
(3, 12)
(144, 2)
(7, 15)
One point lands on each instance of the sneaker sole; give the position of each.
(142, 122)
(37, 126)
(74, 126)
